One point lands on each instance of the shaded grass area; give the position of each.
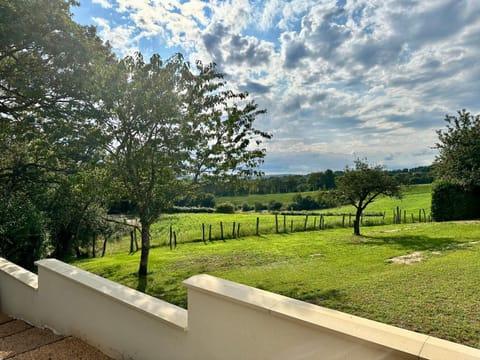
(439, 296)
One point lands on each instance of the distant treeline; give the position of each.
(204, 200)
(311, 182)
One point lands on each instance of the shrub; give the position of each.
(226, 208)
(260, 207)
(246, 207)
(453, 202)
(274, 205)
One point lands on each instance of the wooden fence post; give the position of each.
(175, 239)
(203, 232)
(258, 226)
(238, 230)
(285, 223)
(233, 230)
(276, 223)
(210, 232)
(291, 226)
(221, 230)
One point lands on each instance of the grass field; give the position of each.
(414, 197)
(188, 227)
(439, 295)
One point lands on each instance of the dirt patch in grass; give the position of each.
(408, 259)
(419, 256)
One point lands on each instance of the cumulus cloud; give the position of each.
(374, 78)
(103, 3)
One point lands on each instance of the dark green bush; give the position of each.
(274, 205)
(226, 208)
(453, 202)
(246, 207)
(260, 207)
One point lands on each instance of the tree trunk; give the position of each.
(94, 249)
(104, 248)
(356, 222)
(142, 271)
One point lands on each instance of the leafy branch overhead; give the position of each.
(80, 128)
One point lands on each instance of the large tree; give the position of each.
(458, 160)
(172, 127)
(364, 183)
(50, 71)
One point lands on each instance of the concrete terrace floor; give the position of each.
(21, 341)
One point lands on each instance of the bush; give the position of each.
(274, 205)
(329, 199)
(201, 200)
(453, 202)
(305, 203)
(226, 208)
(190, 209)
(22, 233)
(246, 207)
(260, 207)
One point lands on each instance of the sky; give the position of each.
(340, 79)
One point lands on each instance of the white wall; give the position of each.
(225, 320)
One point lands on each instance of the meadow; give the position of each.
(419, 276)
(188, 227)
(437, 295)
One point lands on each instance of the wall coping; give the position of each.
(162, 310)
(20, 274)
(402, 340)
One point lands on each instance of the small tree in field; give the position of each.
(361, 185)
(170, 128)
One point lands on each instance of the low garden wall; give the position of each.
(225, 320)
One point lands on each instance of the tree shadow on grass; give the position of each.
(322, 297)
(413, 242)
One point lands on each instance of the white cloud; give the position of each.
(121, 38)
(373, 78)
(103, 3)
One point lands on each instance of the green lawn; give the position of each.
(415, 197)
(188, 227)
(439, 295)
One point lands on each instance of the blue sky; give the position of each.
(340, 79)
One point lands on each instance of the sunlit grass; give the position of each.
(439, 296)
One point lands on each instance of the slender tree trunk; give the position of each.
(356, 222)
(104, 248)
(94, 249)
(142, 271)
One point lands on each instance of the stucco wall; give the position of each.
(225, 320)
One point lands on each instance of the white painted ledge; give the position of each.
(416, 344)
(20, 274)
(162, 310)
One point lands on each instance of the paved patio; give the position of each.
(21, 341)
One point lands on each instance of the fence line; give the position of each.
(299, 222)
